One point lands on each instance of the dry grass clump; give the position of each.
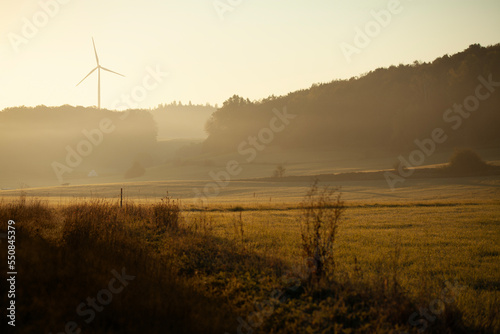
(95, 238)
(166, 213)
(25, 212)
(97, 221)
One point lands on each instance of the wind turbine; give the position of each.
(98, 68)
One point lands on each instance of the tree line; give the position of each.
(384, 108)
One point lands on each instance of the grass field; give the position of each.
(424, 258)
(255, 192)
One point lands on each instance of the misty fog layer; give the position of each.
(81, 139)
(385, 109)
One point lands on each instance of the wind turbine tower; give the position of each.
(98, 68)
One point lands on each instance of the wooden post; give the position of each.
(121, 197)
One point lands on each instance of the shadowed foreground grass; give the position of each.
(65, 256)
(242, 272)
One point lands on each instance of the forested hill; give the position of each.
(387, 107)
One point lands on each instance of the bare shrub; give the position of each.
(322, 211)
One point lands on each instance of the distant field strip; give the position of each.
(258, 193)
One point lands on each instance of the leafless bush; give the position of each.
(322, 211)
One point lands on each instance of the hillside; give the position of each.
(388, 107)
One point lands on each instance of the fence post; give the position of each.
(121, 197)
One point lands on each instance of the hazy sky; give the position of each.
(253, 48)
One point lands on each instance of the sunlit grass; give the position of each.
(385, 254)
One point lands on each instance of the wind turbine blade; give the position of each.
(96, 58)
(111, 71)
(88, 75)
